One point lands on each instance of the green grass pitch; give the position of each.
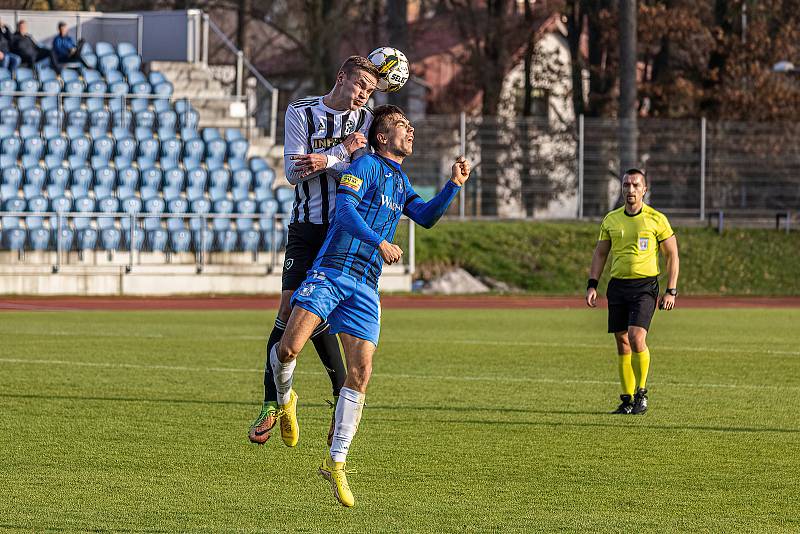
(476, 420)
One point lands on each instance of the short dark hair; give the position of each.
(634, 170)
(380, 122)
(61, 24)
(354, 63)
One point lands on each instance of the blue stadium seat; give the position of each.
(12, 176)
(245, 207)
(148, 192)
(91, 75)
(178, 206)
(7, 192)
(163, 89)
(80, 146)
(118, 88)
(264, 179)
(126, 49)
(95, 103)
(284, 194)
(240, 194)
(33, 146)
(154, 206)
(28, 86)
(70, 103)
(59, 175)
(189, 119)
(108, 63)
(142, 88)
(83, 176)
(37, 206)
(152, 178)
(232, 134)
(36, 176)
(52, 118)
(174, 178)
(171, 193)
(78, 118)
(110, 239)
(7, 161)
(242, 179)
(126, 148)
(220, 179)
(200, 206)
(97, 87)
(39, 238)
(138, 239)
(145, 119)
(194, 193)
(226, 239)
(107, 205)
(155, 78)
(145, 163)
(8, 85)
(32, 117)
(87, 238)
(114, 76)
(130, 64)
(157, 239)
(31, 190)
(216, 193)
(180, 240)
(142, 133)
(128, 177)
(106, 177)
(74, 132)
(194, 149)
(5, 74)
(148, 148)
(24, 73)
(210, 134)
(60, 204)
(13, 237)
(29, 160)
(197, 178)
(237, 165)
(104, 147)
(167, 120)
(74, 87)
(268, 207)
(100, 119)
(57, 146)
(249, 240)
(131, 205)
(170, 150)
(102, 48)
(215, 150)
(68, 75)
(11, 146)
(83, 204)
(161, 105)
(189, 133)
(26, 102)
(51, 86)
(139, 104)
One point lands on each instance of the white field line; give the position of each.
(458, 378)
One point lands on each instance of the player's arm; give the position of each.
(348, 196)
(300, 163)
(427, 213)
(669, 248)
(599, 258)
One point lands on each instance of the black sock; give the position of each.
(331, 357)
(270, 393)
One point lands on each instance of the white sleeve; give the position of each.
(295, 142)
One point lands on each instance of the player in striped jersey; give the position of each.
(323, 134)
(342, 288)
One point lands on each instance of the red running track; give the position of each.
(389, 302)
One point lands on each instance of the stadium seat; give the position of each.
(80, 146)
(128, 177)
(197, 178)
(95, 104)
(210, 134)
(189, 133)
(100, 119)
(12, 176)
(138, 238)
(114, 76)
(194, 149)
(26, 102)
(239, 194)
(268, 207)
(97, 87)
(194, 193)
(148, 148)
(11, 146)
(242, 179)
(157, 239)
(118, 88)
(174, 178)
(264, 179)
(13, 237)
(155, 78)
(152, 178)
(245, 207)
(108, 63)
(284, 194)
(106, 177)
(139, 104)
(258, 164)
(83, 176)
(180, 240)
(33, 146)
(37, 206)
(78, 118)
(237, 149)
(167, 121)
(216, 193)
(102, 48)
(220, 179)
(145, 119)
(36, 176)
(130, 64)
(232, 134)
(189, 120)
(39, 238)
(126, 49)
(126, 148)
(110, 239)
(200, 206)
(164, 89)
(5, 74)
(148, 192)
(104, 147)
(161, 105)
(182, 105)
(170, 150)
(32, 117)
(107, 205)
(142, 88)
(249, 240)
(226, 239)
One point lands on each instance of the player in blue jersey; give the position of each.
(342, 286)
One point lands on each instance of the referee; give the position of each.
(634, 234)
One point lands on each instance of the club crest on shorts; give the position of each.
(643, 242)
(306, 290)
(288, 264)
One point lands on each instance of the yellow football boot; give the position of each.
(287, 418)
(334, 473)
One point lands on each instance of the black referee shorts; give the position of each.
(302, 247)
(631, 302)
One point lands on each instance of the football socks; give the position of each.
(641, 365)
(626, 377)
(348, 415)
(270, 393)
(283, 375)
(327, 346)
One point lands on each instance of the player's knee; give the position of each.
(638, 340)
(287, 350)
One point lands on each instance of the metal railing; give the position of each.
(241, 64)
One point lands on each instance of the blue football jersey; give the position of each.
(380, 190)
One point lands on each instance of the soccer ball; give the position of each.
(393, 66)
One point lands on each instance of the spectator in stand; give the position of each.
(29, 50)
(65, 48)
(7, 59)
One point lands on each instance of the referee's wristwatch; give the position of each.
(671, 291)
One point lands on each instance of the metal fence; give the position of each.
(538, 168)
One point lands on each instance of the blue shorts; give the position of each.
(349, 306)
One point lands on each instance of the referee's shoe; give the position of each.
(626, 406)
(639, 402)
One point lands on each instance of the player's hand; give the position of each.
(390, 252)
(460, 171)
(667, 302)
(591, 297)
(354, 141)
(308, 164)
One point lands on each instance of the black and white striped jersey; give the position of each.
(311, 126)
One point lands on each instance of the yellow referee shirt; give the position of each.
(634, 241)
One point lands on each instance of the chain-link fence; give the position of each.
(536, 168)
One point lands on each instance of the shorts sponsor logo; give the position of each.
(348, 180)
(306, 290)
(288, 264)
(643, 242)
